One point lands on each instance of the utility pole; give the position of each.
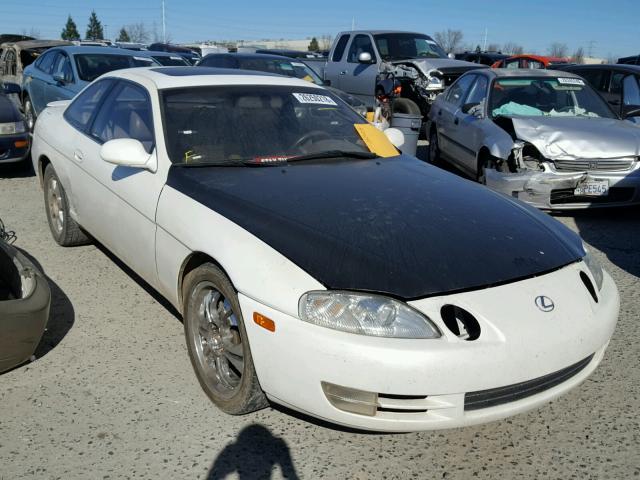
(106, 35)
(353, 23)
(590, 49)
(484, 45)
(164, 25)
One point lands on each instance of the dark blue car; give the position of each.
(14, 139)
(60, 73)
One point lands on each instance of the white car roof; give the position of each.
(176, 77)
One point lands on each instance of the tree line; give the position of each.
(452, 42)
(136, 32)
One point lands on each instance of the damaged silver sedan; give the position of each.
(543, 136)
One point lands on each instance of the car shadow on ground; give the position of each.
(613, 231)
(254, 454)
(22, 169)
(139, 280)
(61, 314)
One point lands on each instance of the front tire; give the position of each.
(29, 114)
(434, 157)
(64, 229)
(217, 342)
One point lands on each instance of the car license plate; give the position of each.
(594, 188)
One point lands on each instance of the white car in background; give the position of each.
(378, 293)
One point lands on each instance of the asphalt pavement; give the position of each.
(112, 393)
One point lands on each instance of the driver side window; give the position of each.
(458, 91)
(360, 44)
(478, 92)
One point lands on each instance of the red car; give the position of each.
(529, 61)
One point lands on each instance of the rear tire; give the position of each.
(217, 342)
(64, 229)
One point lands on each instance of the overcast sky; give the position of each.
(607, 28)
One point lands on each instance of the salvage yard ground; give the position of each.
(113, 395)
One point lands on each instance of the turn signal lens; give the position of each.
(20, 143)
(350, 399)
(264, 322)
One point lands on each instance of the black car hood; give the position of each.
(8, 111)
(395, 226)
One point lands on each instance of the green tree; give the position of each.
(70, 30)
(94, 28)
(123, 36)
(313, 45)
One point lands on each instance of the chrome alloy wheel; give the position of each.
(216, 340)
(56, 206)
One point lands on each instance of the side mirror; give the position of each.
(365, 57)
(9, 88)
(127, 152)
(471, 109)
(395, 136)
(59, 78)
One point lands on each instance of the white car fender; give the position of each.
(255, 269)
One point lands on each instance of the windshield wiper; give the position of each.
(332, 154)
(233, 163)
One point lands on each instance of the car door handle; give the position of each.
(77, 155)
(344, 72)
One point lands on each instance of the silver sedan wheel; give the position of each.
(56, 207)
(216, 341)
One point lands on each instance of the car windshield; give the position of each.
(281, 67)
(248, 124)
(170, 61)
(546, 96)
(92, 65)
(397, 46)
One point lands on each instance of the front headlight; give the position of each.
(12, 128)
(365, 314)
(594, 267)
(435, 83)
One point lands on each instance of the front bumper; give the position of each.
(553, 190)
(423, 383)
(22, 320)
(14, 148)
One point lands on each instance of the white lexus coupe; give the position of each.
(375, 292)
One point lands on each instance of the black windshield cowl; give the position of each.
(332, 154)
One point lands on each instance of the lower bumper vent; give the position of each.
(518, 391)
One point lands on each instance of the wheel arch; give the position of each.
(190, 263)
(43, 161)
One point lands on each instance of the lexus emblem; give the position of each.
(545, 303)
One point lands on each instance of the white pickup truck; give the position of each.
(357, 58)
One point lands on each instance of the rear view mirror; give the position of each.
(365, 57)
(127, 152)
(9, 88)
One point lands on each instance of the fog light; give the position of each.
(350, 399)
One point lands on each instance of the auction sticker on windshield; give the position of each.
(594, 188)
(570, 81)
(314, 98)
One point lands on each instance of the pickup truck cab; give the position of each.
(357, 58)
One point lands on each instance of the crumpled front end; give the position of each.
(552, 169)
